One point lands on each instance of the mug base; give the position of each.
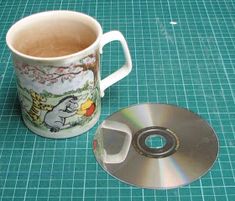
(68, 133)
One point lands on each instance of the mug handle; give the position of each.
(125, 69)
(121, 156)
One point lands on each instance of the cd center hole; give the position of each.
(155, 141)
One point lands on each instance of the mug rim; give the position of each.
(77, 54)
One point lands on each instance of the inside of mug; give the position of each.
(53, 35)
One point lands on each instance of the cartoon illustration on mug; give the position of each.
(56, 108)
(87, 108)
(55, 119)
(50, 75)
(38, 104)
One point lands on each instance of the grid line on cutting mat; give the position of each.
(189, 62)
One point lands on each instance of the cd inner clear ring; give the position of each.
(139, 142)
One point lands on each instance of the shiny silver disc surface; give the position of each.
(190, 148)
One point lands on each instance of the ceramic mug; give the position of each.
(60, 92)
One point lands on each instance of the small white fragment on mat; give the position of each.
(173, 22)
(231, 143)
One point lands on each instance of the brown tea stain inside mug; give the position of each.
(53, 47)
(54, 39)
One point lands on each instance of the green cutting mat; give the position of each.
(190, 64)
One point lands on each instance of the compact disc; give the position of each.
(189, 150)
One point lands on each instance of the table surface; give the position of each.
(183, 54)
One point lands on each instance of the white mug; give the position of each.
(56, 56)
